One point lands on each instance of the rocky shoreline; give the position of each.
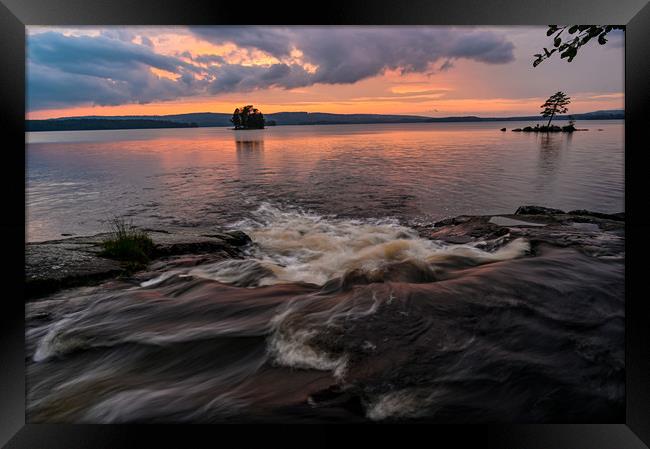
(76, 262)
(56, 265)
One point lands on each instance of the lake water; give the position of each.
(212, 177)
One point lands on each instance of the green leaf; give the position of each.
(573, 29)
(557, 41)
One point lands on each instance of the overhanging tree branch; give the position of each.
(567, 44)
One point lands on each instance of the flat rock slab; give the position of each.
(593, 227)
(54, 266)
(592, 233)
(58, 264)
(503, 221)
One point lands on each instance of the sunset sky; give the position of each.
(421, 70)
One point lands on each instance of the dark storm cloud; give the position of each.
(232, 77)
(111, 69)
(104, 70)
(272, 40)
(205, 59)
(349, 54)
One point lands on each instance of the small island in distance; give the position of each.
(213, 119)
(248, 117)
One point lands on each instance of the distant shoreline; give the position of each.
(101, 124)
(211, 120)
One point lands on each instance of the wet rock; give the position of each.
(197, 246)
(592, 233)
(466, 230)
(53, 266)
(452, 221)
(585, 213)
(235, 238)
(503, 221)
(537, 210)
(228, 243)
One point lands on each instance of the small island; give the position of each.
(556, 104)
(549, 129)
(248, 117)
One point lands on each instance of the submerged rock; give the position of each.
(411, 271)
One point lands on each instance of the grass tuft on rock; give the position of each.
(127, 243)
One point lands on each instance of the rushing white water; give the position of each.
(295, 246)
(292, 349)
(406, 403)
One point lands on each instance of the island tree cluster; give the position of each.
(248, 117)
(556, 104)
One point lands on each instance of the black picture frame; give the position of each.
(635, 14)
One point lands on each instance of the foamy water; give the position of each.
(297, 246)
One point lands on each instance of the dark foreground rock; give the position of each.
(536, 334)
(59, 264)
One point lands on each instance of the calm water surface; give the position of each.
(211, 177)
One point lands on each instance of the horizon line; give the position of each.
(329, 113)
